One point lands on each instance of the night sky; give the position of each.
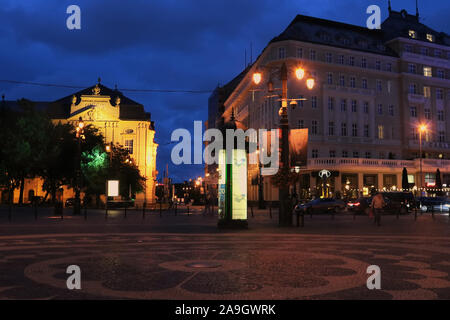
(170, 44)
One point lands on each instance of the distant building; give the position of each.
(373, 90)
(119, 119)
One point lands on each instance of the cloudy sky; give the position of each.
(170, 44)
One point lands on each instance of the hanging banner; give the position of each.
(298, 147)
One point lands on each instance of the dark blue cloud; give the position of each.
(171, 44)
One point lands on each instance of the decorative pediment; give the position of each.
(95, 108)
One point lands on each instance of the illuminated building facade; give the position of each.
(119, 119)
(374, 89)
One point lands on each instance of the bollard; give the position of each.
(176, 208)
(251, 209)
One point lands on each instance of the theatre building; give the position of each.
(380, 96)
(119, 119)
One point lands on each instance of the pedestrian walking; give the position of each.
(377, 204)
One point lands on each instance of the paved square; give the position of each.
(186, 257)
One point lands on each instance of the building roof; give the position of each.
(399, 23)
(336, 34)
(60, 109)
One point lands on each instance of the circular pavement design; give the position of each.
(223, 266)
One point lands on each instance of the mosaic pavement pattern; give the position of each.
(223, 266)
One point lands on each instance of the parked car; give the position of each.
(321, 205)
(399, 202)
(438, 204)
(360, 205)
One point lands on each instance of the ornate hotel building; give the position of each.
(373, 89)
(119, 119)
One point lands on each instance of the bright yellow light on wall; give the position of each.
(310, 83)
(299, 73)
(257, 77)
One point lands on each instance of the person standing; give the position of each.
(377, 204)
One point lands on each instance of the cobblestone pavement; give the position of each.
(120, 261)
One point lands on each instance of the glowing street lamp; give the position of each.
(285, 216)
(422, 129)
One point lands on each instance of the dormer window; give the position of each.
(430, 37)
(413, 34)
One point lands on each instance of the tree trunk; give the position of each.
(22, 187)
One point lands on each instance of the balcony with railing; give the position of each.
(363, 163)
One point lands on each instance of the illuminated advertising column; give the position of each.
(233, 190)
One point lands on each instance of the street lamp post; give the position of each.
(422, 129)
(285, 212)
(80, 136)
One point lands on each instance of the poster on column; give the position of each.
(298, 147)
(239, 185)
(221, 184)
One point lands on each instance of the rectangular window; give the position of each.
(129, 146)
(343, 105)
(440, 74)
(315, 153)
(363, 63)
(364, 83)
(342, 80)
(412, 88)
(408, 48)
(430, 37)
(427, 92)
(427, 72)
(330, 78)
(379, 86)
(329, 57)
(440, 115)
(352, 82)
(366, 131)
(354, 130)
(412, 68)
(366, 107)
(413, 111)
(424, 51)
(389, 67)
(381, 132)
(344, 154)
(314, 102)
(368, 155)
(330, 103)
(299, 53)
(301, 124)
(351, 61)
(378, 65)
(314, 126)
(355, 154)
(437, 53)
(331, 128)
(427, 113)
(439, 94)
(380, 109)
(332, 154)
(282, 53)
(341, 59)
(412, 34)
(343, 129)
(441, 135)
(391, 110)
(312, 54)
(354, 106)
